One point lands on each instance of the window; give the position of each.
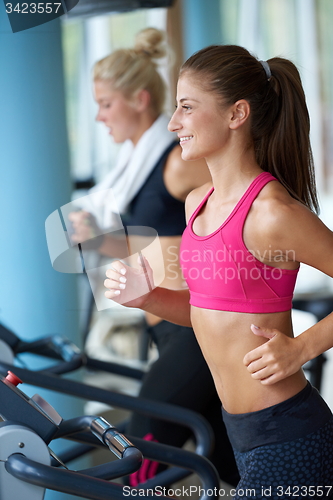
(301, 31)
(85, 41)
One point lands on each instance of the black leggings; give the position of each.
(181, 376)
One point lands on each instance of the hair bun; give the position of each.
(151, 42)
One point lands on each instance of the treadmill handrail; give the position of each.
(65, 481)
(165, 411)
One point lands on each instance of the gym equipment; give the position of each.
(30, 424)
(59, 348)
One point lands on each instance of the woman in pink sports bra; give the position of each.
(247, 233)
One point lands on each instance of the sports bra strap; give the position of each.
(252, 192)
(199, 207)
(248, 197)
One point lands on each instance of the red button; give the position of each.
(13, 379)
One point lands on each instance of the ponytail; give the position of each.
(280, 122)
(285, 150)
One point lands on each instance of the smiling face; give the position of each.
(200, 121)
(119, 114)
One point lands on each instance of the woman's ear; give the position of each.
(141, 100)
(240, 113)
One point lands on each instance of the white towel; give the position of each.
(134, 164)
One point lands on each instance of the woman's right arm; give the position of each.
(171, 305)
(86, 231)
(134, 287)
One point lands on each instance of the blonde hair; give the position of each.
(131, 70)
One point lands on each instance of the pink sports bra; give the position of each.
(222, 274)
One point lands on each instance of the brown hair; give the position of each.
(130, 70)
(280, 122)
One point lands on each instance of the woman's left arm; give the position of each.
(282, 356)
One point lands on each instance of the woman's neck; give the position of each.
(146, 120)
(232, 170)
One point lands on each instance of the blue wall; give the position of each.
(35, 300)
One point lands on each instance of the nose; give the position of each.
(99, 116)
(174, 123)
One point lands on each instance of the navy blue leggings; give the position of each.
(287, 470)
(298, 462)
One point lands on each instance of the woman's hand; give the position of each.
(85, 230)
(128, 285)
(277, 359)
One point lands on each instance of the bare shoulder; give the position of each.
(279, 211)
(195, 197)
(181, 177)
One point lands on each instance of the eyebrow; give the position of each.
(188, 99)
(101, 100)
